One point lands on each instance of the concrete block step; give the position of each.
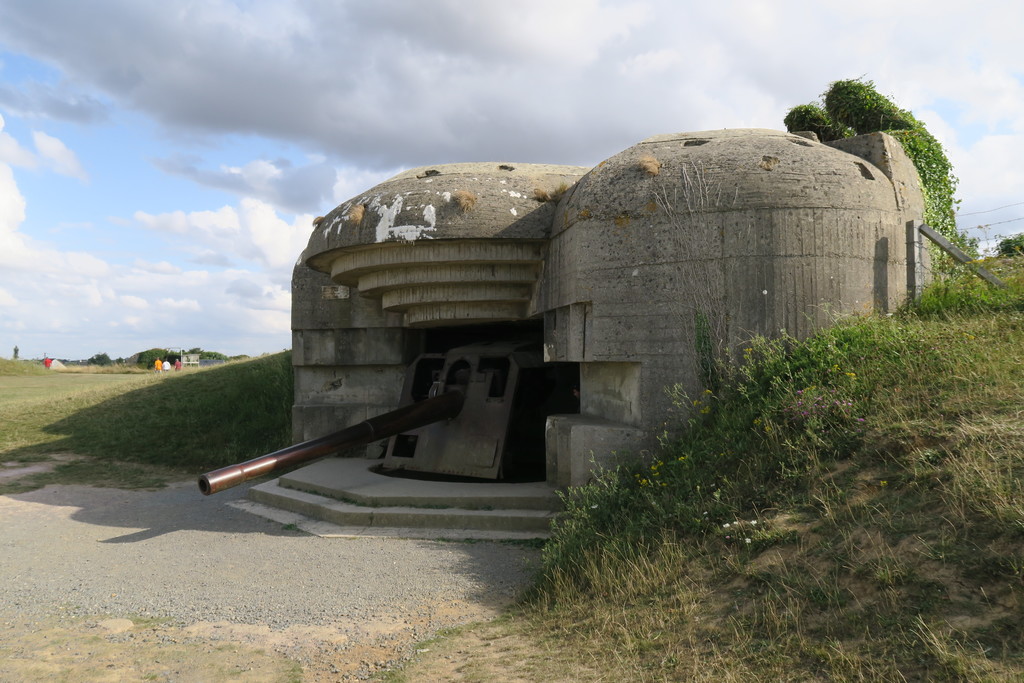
(534, 523)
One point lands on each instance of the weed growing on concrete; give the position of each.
(464, 199)
(649, 165)
(356, 213)
(543, 195)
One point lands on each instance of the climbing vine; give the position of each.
(855, 107)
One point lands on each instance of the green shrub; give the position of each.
(1011, 246)
(813, 118)
(148, 357)
(855, 105)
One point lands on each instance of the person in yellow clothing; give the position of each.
(158, 365)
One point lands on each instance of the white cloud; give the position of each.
(162, 268)
(7, 299)
(364, 89)
(350, 182)
(297, 189)
(181, 304)
(132, 301)
(61, 159)
(11, 152)
(652, 62)
(12, 213)
(392, 83)
(253, 231)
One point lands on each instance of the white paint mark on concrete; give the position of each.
(447, 196)
(513, 211)
(386, 228)
(636, 271)
(387, 215)
(409, 233)
(333, 225)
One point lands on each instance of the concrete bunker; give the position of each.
(616, 281)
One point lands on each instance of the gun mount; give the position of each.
(500, 432)
(461, 413)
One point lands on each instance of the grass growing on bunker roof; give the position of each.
(850, 507)
(464, 200)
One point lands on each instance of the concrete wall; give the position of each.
(677, 251)
(349, 356)
(660, 260)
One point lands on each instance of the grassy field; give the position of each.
(845, 508)
(28, 388)
(144, 429)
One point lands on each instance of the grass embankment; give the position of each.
(847, 508)
(144, 429)
(850, 508)
(12, 368)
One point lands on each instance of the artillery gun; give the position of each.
(475, 411)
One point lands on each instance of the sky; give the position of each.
(161, 161)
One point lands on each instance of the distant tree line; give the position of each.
(148, 357)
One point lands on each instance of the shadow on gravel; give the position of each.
(179, 506)
(175, 551)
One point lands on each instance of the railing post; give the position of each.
(915, 260)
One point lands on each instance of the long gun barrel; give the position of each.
(412, 416)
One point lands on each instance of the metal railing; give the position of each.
(915, 258)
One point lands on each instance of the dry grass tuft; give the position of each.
(542, 195)
(357, 213)
(317, 221)
(649, 165)
(464, 199)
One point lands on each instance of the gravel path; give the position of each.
(339, 607)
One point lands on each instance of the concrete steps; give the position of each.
(347, 493)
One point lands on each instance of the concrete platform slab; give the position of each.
(354, 479)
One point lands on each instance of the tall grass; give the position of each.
(849, 507)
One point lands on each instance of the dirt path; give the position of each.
(111, 585)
